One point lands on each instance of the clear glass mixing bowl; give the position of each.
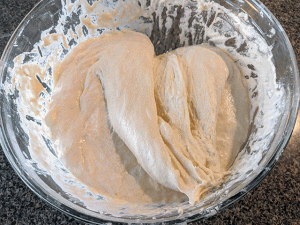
(15, 140)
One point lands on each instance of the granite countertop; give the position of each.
(276, 200)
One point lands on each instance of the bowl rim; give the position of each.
(42, 194)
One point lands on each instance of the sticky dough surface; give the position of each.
(141, 128)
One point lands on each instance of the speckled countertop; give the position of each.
(276, 200)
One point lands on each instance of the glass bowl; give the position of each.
(250, 14)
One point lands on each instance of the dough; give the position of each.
(145, 129)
